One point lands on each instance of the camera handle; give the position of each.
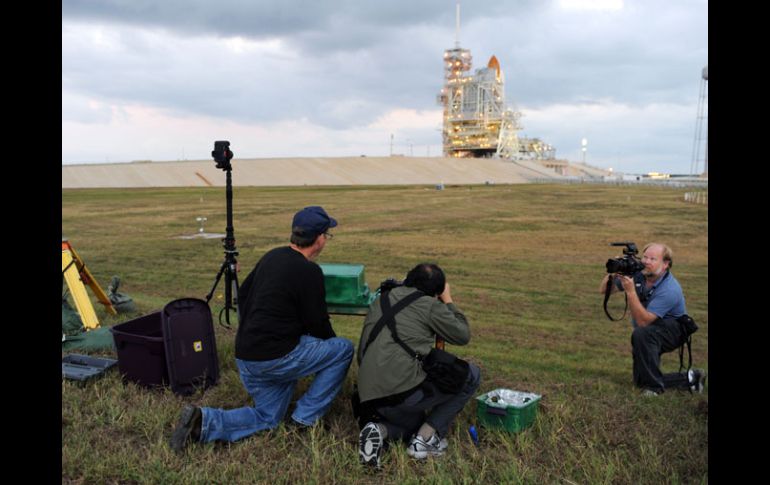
(230, 265)
(607, 292)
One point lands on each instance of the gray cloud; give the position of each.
(343, 64)
(260, 19)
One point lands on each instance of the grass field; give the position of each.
(524, 262)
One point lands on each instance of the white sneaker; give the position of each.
(370, 445)
(420, 448)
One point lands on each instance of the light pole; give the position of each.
(584, 143)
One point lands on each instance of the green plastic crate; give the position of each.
(509, 417)
(346, 288)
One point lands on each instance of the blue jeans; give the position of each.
(271, 384)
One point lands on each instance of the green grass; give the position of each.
(524, 262)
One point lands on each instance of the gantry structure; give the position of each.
(476, 120)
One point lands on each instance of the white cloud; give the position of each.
(147, 133)
(626, 137)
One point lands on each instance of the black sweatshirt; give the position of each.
(280, 300)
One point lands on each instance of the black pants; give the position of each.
(648, 344)
(404, 419)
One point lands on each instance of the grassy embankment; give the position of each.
(524, 262)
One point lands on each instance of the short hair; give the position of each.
(426, 277)
(302, 238)
(668, 255)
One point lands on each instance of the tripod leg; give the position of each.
(216, 281)
(231, 292)
(237, 290)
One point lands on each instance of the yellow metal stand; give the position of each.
(77, 276)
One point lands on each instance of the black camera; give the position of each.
(222, 154)
(627, 265)
(389, 284)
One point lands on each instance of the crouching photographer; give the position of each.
(658, 316)
(408, 390)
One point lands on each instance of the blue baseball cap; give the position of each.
(312, 221)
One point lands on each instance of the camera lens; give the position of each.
(614, 266)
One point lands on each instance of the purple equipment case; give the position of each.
(173, 347)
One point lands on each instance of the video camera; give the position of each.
(222, 154)
(627, 265)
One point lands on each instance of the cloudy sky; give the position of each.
(162, 80)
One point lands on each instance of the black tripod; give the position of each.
(223, 155)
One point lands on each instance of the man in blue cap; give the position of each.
(284, 334)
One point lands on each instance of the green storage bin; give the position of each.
(515, 414)
(346, 289)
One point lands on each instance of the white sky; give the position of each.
(163, 80)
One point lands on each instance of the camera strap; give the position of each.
(388, 316)
(607, 293)
(688, 343)
(687, 326)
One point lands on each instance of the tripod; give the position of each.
(222, 155)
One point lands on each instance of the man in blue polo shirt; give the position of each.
(655, 300)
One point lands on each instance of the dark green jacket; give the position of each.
(386, 368)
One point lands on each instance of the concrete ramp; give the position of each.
(584, 170)
(305, 171)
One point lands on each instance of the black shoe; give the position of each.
(187, 429)
(296, 426)
(697, 379)
(370, 445)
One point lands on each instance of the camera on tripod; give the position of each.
(222, 155)
(628, 264)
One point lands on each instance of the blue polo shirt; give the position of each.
(664, 298)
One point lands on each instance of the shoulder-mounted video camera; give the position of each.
(222, 154)
(628, 264)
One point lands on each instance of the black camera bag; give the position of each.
(688, 325)
(445, 370)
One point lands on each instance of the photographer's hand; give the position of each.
(640, 314)
(628, 284)
(446, 296)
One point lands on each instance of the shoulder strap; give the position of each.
(688, 343)
(388, 315)
(391, 323)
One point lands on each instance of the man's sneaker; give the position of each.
(649, 392)
(370, 445)
(697, 378)
(421, 448)
(187, 429)
(443, 444)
